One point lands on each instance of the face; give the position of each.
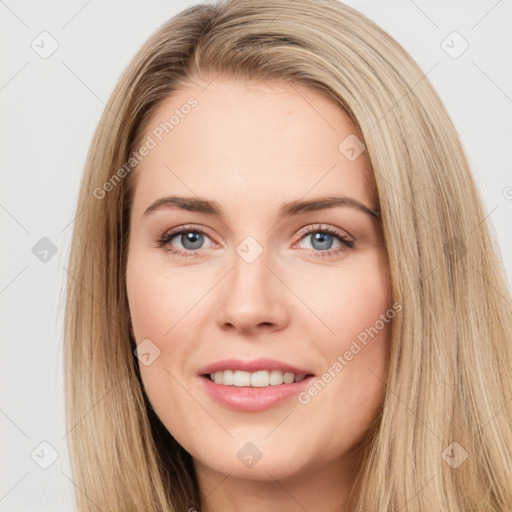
(253, 269)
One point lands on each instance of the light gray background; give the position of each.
(50, 108)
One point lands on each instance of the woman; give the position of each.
(286, 295)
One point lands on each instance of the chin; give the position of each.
(256, 461)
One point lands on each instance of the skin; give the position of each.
(252, 147)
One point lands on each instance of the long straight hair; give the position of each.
(449, 368)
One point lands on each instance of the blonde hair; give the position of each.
(450, 346)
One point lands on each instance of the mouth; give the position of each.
(253, 385)
(257, 379)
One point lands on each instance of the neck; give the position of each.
(326, 488)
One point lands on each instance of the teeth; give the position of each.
(259, 379)
(239, 378)
(276, 377)
(227, 378)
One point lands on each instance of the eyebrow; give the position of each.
(296, 207)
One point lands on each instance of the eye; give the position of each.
(322, 238)
(187, 238)
(185, 241)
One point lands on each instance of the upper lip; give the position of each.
(251, 366)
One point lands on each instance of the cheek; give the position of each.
(347, 300)
(158, 305)
(356, 307)
(149, 305)
(157, 299)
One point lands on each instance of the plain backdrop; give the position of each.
(50, 106)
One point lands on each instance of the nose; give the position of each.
(253, 298)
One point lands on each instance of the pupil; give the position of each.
(324, 239)
(192, 240)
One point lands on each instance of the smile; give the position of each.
(258, 379)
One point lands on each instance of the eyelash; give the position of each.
(345, 241)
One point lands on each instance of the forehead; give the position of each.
(241, 138)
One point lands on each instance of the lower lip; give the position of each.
(245, 398)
